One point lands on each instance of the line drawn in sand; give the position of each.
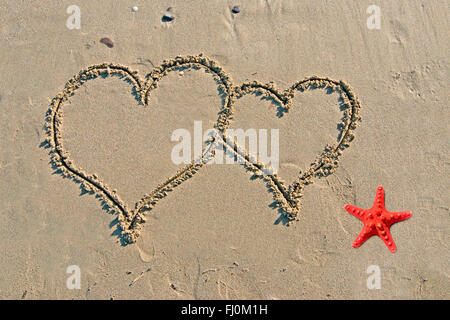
(286, 198)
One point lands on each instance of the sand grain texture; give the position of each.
(216, 235)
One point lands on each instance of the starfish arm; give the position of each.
(357, 212)
(365, 234)
(386, 236)
(379, 198)
(399, 216)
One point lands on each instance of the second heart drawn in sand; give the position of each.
(287, 198)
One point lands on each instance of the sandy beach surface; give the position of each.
(217, 235)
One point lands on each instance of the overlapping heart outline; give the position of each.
(286, 198)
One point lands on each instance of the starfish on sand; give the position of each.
(377, 221)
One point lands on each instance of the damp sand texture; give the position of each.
(220, 234)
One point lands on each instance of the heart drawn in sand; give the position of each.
(287, 198)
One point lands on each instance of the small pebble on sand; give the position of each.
(167, 17)
(107, 42)
(236, 9)
(134, 9)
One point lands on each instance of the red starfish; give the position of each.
(377, 221)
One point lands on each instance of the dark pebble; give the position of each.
(107, 42)
(167, 17)
(236, 9)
